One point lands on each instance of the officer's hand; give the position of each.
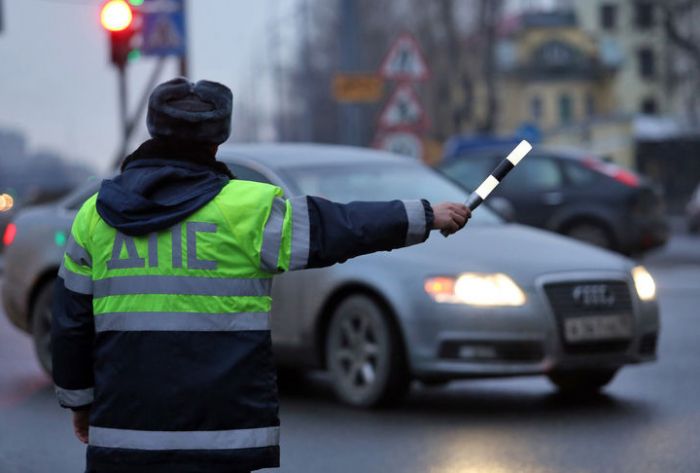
(450, 217)
(81, 424)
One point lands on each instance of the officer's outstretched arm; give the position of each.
(72, 326)
(314, 232)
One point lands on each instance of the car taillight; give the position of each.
(618, 173)
(10, 233)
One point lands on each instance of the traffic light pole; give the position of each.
(121, 77)
(184, 65)
(130, 125)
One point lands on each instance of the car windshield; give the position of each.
(381, 181)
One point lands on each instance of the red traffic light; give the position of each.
(116, 15)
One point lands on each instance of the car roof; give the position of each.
(564, 152)
(286, 155)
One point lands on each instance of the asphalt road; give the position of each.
(647, 421)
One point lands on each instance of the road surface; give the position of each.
(647, 421)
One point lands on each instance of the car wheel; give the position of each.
(582, 382)
(41, 326)
(364, 354)
(593, 233)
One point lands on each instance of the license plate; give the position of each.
(600, 327)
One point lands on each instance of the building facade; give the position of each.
(633, 29)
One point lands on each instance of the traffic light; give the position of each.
(118, 18)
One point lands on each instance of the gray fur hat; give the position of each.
(186, 111)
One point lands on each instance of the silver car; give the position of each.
(495, 299)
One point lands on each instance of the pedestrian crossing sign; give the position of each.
(403, 111)
(164, 32)
(405, 61)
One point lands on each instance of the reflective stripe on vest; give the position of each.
(77, 253)
(181, 285)
(181, 321)
(75, 282)
(184, 440)
(300, 233)
(272, 237)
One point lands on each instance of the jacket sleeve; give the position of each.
(72, 325)
(312, 232)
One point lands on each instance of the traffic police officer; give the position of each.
(161, 318)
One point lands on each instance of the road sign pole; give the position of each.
(349, 113)
(184, 59)
(121, 78)
(131, 123)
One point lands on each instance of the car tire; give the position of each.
(582, 382)
(591, 232)
(364, 354)
(41, 325)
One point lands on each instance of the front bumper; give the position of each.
(456, 341)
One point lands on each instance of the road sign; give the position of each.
(403, 111)
(403, 143)
(164, 31)
(405, 61)
(357, 88)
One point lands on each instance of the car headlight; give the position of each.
(484, 290)
(644, 283)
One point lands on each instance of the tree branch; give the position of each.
(686, 44)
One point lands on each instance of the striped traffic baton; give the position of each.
(498, 174)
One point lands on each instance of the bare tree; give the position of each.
(489, 14)
(682, 26)
(441, 27)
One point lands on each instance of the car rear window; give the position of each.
(535, 174)
(579, 175)
(469, 171)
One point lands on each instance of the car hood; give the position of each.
(522, 252)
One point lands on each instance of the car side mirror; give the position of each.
(503, 208)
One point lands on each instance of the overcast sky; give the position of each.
(58, 88)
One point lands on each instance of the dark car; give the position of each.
(573, 193)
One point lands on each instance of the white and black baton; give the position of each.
(498, 174)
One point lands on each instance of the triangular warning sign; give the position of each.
(403, 111)
(405, 61)
(164, 34)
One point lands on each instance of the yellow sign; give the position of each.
(357, 88)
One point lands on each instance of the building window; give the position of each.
(608, 16)
(643, 14)
(565, 109)
(536, 107)
(590, 105)
(649, 106)
(647, 67)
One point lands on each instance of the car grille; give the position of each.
(567, 301)
(499, 351)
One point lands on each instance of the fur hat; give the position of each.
(186, 111)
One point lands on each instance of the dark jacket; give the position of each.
(157, 189)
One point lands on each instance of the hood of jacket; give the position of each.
(161, 184)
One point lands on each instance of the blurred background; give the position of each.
(607, 91)
(616, 79)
